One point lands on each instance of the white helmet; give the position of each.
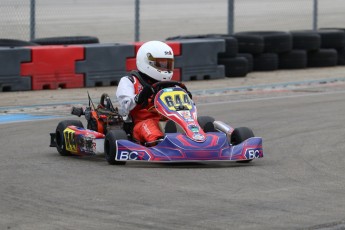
(156, 59)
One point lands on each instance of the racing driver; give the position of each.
(155, 63)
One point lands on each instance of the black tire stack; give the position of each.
(271, 50)
(236, 64)
(334, 39)
(67, 40)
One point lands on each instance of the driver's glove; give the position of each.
(183, 86)
(190, 94)
(144, 95)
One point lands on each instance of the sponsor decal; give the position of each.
(198, 137)
(186, 115)
(130, 155)
(193, 128)
(70, 140)
(253, 153)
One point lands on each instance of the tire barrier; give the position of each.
(70, 40)
(294, 59)
(249, 58)
(322, 58)
(231, 48)
(341, 56)
(306, 40)
(265, 62)
(332, 39)
(104, 64)
(40, 64)
(335, 35)
(227, 65)
(235, 67)
(15, 43)
(274, 41)
(250, 43)
(10, 79)
(53, 67)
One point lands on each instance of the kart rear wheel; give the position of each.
(239, 135)
(206, 123)
(59, 138)
(110, 146)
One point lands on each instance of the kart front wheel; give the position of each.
(110, 146)
(239, 135)
(206, 123)
(59, 137)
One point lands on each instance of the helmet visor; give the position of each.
(163, 64)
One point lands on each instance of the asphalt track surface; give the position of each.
(299, 184)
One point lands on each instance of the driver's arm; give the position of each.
(125, 95)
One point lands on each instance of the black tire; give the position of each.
(239, 135)
(234, 67)
(70, 40)
(59, 138)
(15, 43)
(110, 145)
(332, 39)
(265, 62)
(341, 56)
(183, 37)
(231, 47)
(295, 59)
(322, 58)
(249, 43)
(206, 123)
(249, 58)
(274, 41)
(306, 40)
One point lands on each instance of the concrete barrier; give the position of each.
(104, 64)
(199, 59)
(53, 67)
(10, 71)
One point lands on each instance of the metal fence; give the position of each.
(116, 21)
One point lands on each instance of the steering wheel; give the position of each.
(166, 84)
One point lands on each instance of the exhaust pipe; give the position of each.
(222, 127)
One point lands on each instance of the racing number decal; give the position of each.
(70, 143)
(176, 98)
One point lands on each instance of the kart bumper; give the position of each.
(178, 148)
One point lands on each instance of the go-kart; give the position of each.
(188, 138)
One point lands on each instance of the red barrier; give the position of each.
(175, 46)
(52, 67)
